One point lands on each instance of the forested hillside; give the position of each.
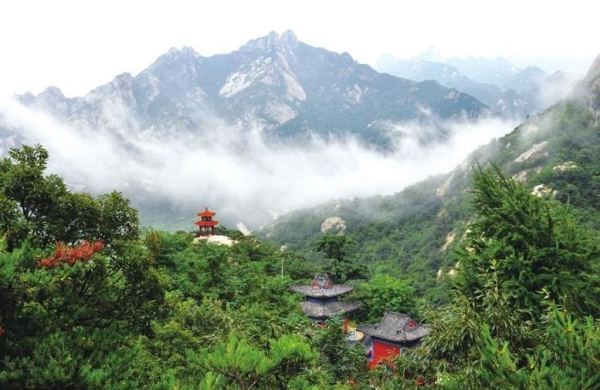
(89, 301)
(413, 234)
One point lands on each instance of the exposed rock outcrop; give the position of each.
(536, 151)
(333, 225)
(566, 166)
(542, 190)
(448, 240)
(216, 239)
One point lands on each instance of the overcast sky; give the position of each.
(78, 45)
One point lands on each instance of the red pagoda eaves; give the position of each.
(207, 223)
(207, 213)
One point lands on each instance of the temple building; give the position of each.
(321, 299)
(206, 225)
(391, 336)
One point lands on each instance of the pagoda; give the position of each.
(395, 332)
(321, 299)
(206, 225)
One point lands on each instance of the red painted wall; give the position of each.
(382, 350)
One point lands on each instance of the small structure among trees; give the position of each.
(394, 332)
(206, 225)
(321, 299)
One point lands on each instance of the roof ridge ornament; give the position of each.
(322, 281)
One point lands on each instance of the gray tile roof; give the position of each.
(328, 309)
(396, 327)
(322, 287)
(317, 292)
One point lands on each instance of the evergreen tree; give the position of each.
(340, 267)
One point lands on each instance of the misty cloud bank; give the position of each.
(234, 171)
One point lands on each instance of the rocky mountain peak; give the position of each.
(186, 52)
(270, 41)
(273, 41)
(185, 55)
(121, 87)
(53, 92)
(123, 79)
(26, 98)
(289, 39)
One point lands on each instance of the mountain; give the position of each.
(494, 71)
(507, 103)
(592, 86)
(526, 80)
(275, 85)
(447, 75)
(412, 234)
(507, 90)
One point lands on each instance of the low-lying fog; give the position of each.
(236, 173)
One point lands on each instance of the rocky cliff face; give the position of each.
(592, 82)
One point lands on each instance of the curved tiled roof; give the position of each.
(207, 223)
(328, 309)
(333, 291)
(396, 327)
(206, 213)
(322, 287)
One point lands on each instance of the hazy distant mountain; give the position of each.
(506, 89)
(447, 75)
(506, 103)
(274, 85)
(485, 70)
(526, 80)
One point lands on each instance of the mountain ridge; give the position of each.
(276, 84)
(509, 91)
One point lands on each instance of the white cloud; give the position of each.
(194, 171)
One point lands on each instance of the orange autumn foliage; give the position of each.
(70, 255)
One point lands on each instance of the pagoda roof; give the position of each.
(207, 213)
(207, 223)
(322, 287)
(328, 309)
(333, 291)
(396, 327)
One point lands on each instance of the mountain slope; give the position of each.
(411, 234)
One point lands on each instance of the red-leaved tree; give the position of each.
(70, 255)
